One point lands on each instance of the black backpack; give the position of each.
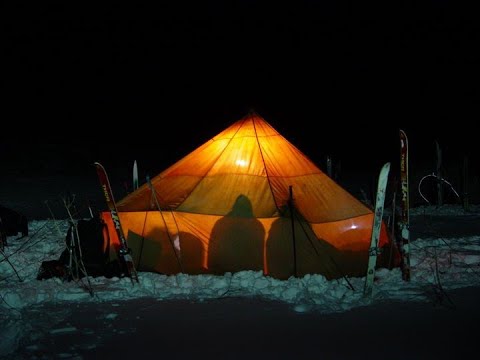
(87, 252)
(89, 244)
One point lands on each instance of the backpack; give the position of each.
(89, 244)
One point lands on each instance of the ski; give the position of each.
(135, 175)
(404, 220)
(124, 252)
(373, 252)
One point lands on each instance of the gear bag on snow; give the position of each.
(87, 252)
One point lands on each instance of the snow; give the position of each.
(442, 263)
(443, 210)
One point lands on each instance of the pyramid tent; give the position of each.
(248, 199)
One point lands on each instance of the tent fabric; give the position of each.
(227, 206)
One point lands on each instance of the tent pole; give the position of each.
(290, 203)
(465, 184)
(154, 194)
(440, 175)
(329, 256)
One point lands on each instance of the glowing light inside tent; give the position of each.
(241, 162)
(353, 226)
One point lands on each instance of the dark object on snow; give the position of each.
(52, 268)
(13, 222)
(88, 250)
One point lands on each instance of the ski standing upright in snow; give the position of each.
(373, 252)
(124, 252)
(404, 220)
(135, 175)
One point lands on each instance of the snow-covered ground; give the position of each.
(439, 265)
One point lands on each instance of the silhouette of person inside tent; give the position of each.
(237, 240)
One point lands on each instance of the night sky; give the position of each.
(333, 77)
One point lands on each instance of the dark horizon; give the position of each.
(335, 79)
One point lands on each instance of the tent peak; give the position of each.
(252, 113)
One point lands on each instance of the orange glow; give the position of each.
(226, 202)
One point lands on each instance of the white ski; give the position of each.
(377, 225)
(135, 175)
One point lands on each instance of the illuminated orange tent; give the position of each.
(248, 199)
